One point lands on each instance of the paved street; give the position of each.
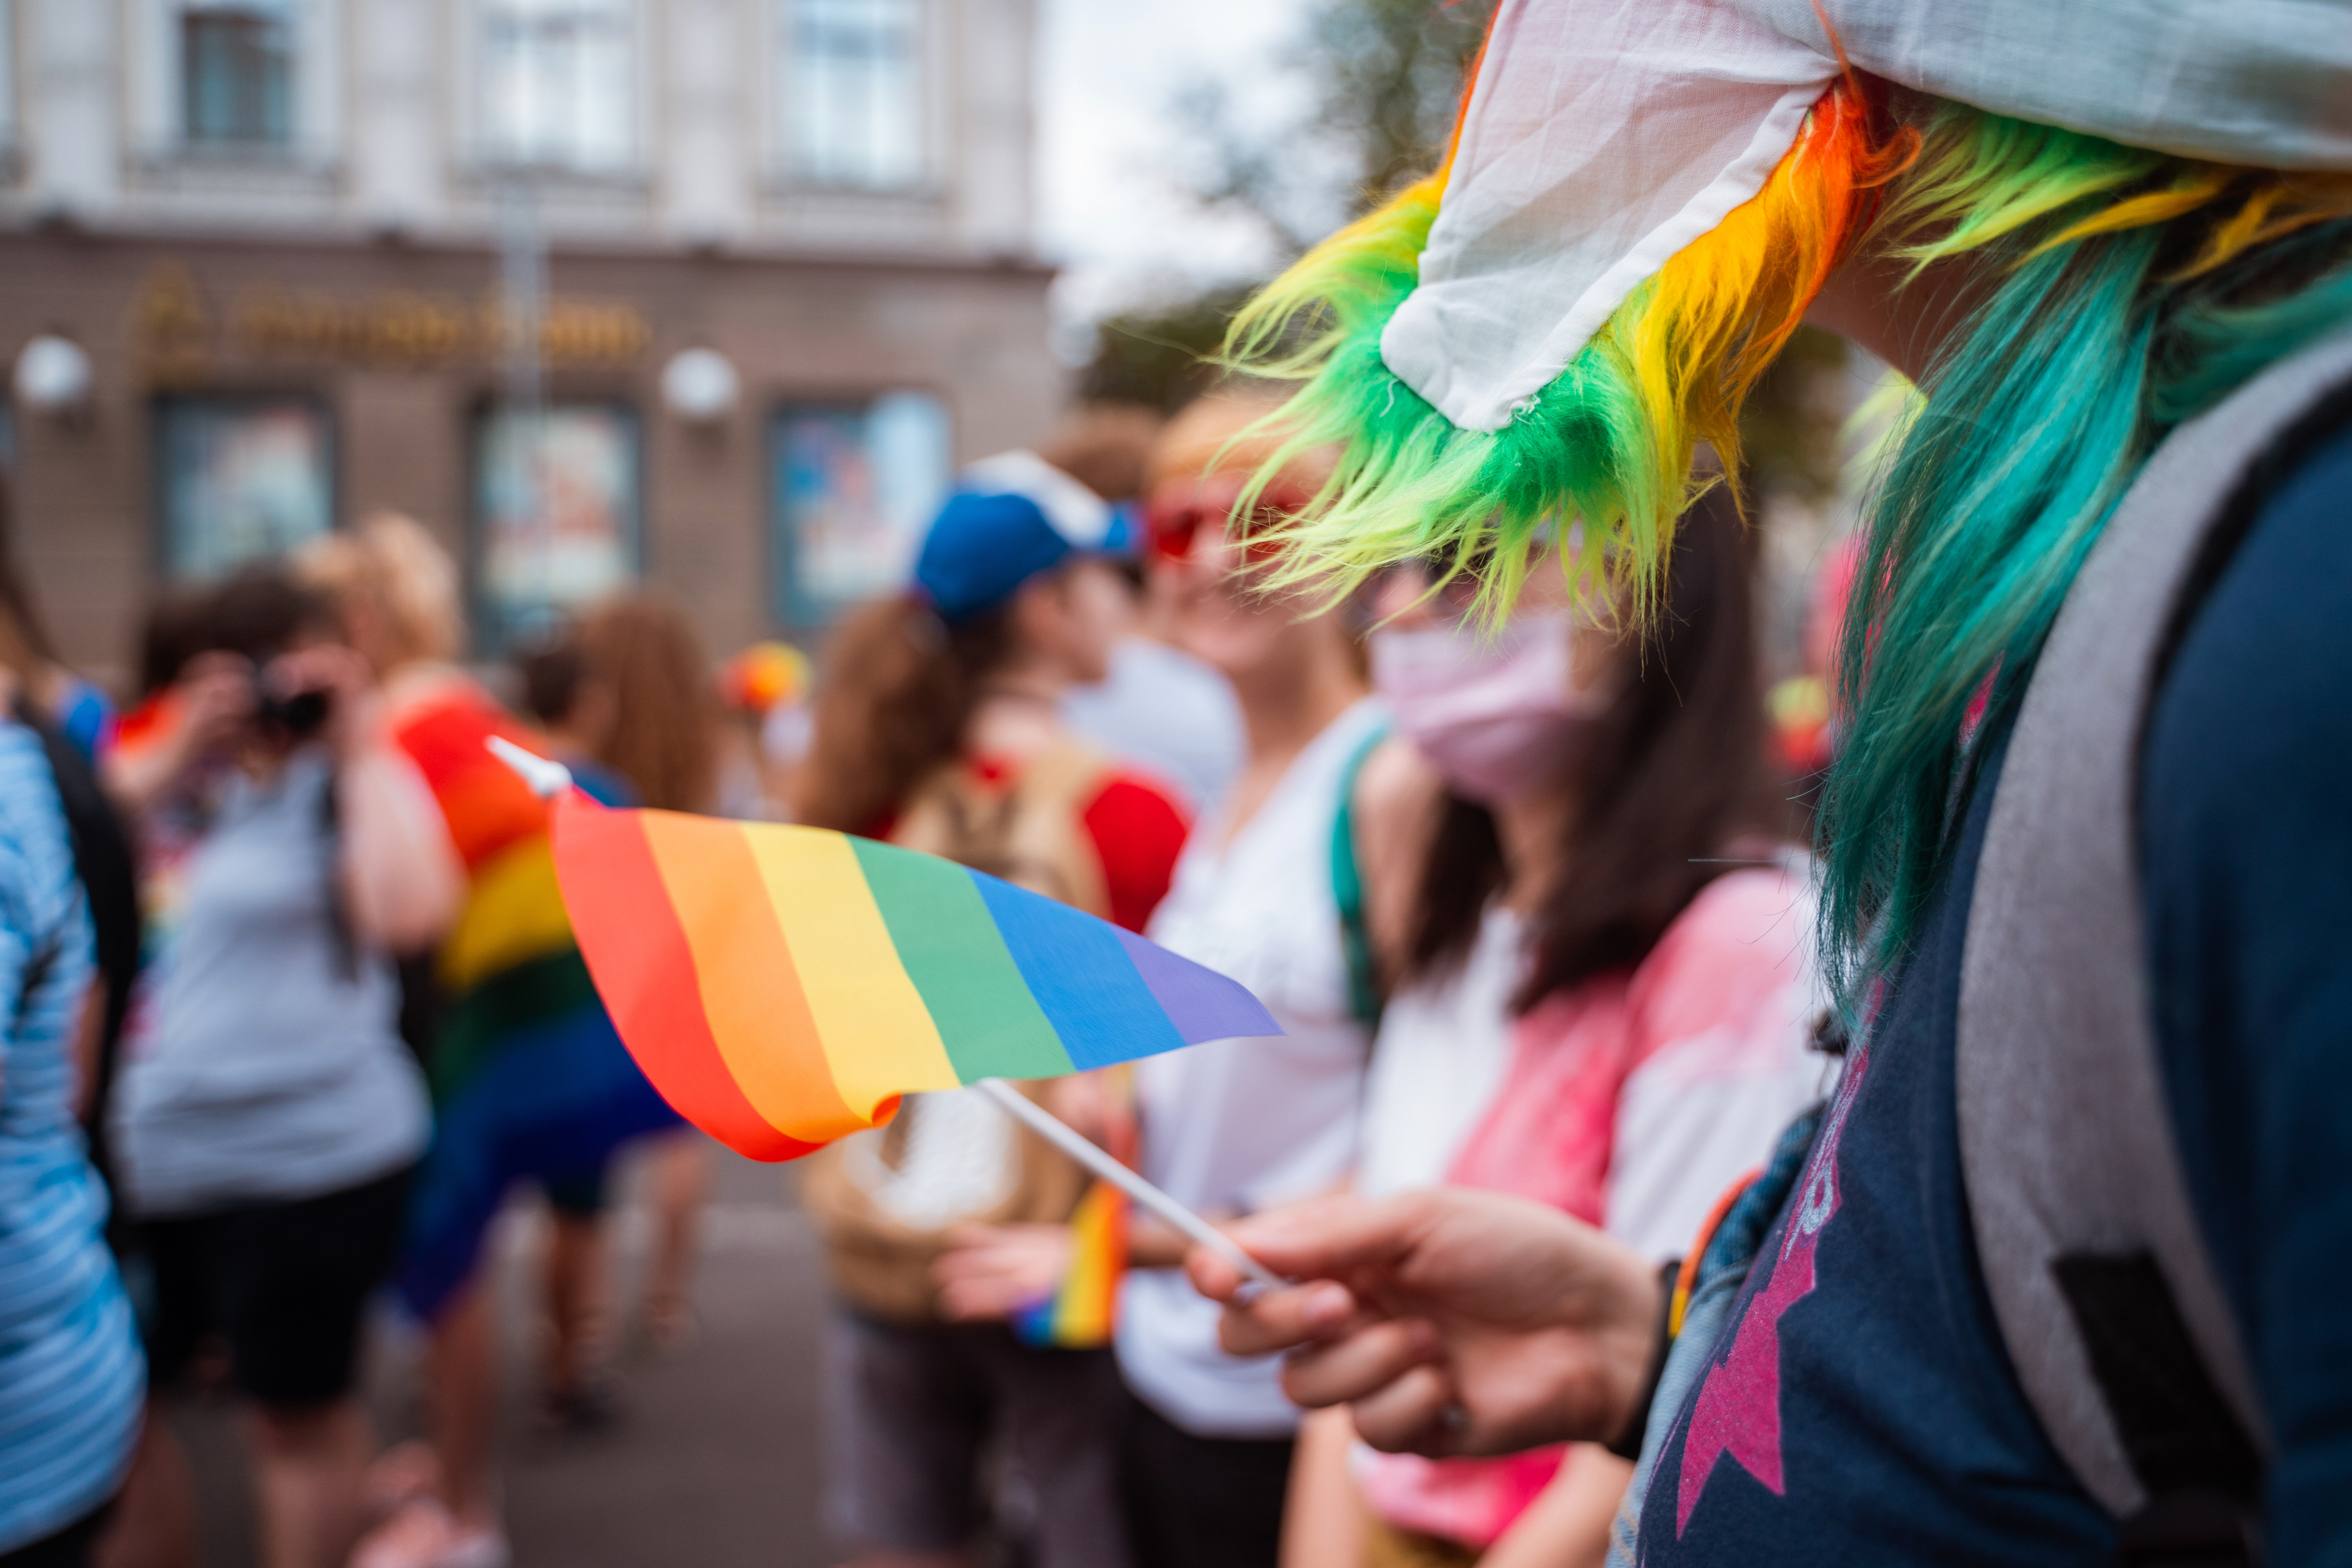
(714, 1462)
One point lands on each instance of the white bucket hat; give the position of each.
(1602, 136)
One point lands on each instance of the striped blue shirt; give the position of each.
(72, 1375)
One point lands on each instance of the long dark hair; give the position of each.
(1670, 777)
(898, 687)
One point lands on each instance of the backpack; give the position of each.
(2101, 1281)
(2098, 1271)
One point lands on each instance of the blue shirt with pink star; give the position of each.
(1859, 1405)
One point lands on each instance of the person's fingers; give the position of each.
(1357, 1366)
(215, 663)
(971, 1234)
(965, 1263)
(975, 1300)
(1270, 1321)
(221, 689)
(1323, 1238)
(1213, 1275)
(987, 1262)
(1419, 1412)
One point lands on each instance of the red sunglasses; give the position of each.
(1179, 509)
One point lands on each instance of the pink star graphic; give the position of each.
(1738, 1411)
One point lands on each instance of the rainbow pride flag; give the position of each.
(1081, 1314)
(784, 987)
(529, 1078)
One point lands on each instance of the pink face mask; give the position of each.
(1497, 715)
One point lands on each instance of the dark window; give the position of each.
(239, 66)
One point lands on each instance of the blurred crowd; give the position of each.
(298, 1011)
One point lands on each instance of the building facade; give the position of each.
(706, 293)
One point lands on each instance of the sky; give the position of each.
(1109, 211)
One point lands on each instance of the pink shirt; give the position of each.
(1631, 1102)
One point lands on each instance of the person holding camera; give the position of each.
(268, 1112)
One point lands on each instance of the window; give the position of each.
(555, 497)
(854, 92)
(236, 63)
(556, 83)
(240, 480)
(855, 485)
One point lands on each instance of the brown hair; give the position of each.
(898, 688)
(1672, 775)
(1104, 447)
(665, 735)
(552, 672)
(168, 634)
(257, 613)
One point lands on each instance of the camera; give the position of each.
(299, 715)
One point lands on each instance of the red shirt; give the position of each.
(1138, 829)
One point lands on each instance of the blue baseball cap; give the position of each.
(1012, 516)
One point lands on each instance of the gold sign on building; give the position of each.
(171, 325)
(176, 334)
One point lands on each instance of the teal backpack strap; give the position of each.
(1348, 890)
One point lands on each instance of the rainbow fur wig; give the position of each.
(1611, 441)
(2122, 291)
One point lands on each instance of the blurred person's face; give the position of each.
(292, 702)
(1222, 615)
(1071, 618)
(1500, 711)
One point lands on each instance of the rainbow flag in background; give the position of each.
(784, 987)
(529, 1078)
(1082, 1312)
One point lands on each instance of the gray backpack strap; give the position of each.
(2065, 1141)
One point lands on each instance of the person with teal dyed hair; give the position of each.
(2057, 1275)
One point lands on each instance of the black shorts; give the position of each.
(1200, 1502)
(578, 1195)
(286, 1284)
(68, 1548)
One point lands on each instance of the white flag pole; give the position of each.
(547, 777)
(1095, 1158)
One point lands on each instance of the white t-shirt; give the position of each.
(1243, 1124)
(1166, 712)
(1444, 1050)
(1632, 1102)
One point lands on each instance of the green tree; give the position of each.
(1390, 79)
(1386, 78)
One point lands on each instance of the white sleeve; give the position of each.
(1697, 1114)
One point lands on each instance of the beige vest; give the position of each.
(886, 1200)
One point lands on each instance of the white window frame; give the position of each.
(12, 99)
(484, 157)
(779, 61)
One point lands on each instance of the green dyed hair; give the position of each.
(2117, 294)
(2127, 291)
